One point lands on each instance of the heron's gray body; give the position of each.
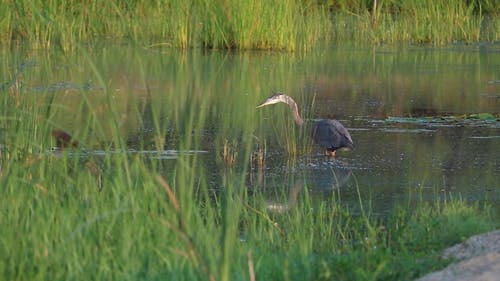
(330, 134)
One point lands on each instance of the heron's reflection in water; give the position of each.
(320, 179)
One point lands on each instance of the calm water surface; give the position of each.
(402, 152)
(382, 95)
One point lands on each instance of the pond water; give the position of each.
(406, 109)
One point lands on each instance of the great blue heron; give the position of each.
(330, 134)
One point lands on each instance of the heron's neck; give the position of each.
(295, 112)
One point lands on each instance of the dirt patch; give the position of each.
(478, 258)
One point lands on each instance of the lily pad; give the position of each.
(482, 116)
(461, 119)
(407, 131)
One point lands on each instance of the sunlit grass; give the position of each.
(417, 22)
(277, 25)
(282, 25)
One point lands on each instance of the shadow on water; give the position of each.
(321, 176)
(323, 173)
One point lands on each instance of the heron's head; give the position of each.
(276, 98)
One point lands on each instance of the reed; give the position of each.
(229, 152)
(280, 25)
(286, 25)
(425, 22)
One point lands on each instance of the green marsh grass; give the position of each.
(217, 24)
(278, 25)
(144, 218)
(416, 22)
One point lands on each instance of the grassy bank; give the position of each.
(288, 25)
(99, 212)
(59, 223)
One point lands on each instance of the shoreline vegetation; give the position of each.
(278, 25)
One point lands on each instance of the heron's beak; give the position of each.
(263, 104)
(272, 100)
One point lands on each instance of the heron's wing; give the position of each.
(330, 133)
